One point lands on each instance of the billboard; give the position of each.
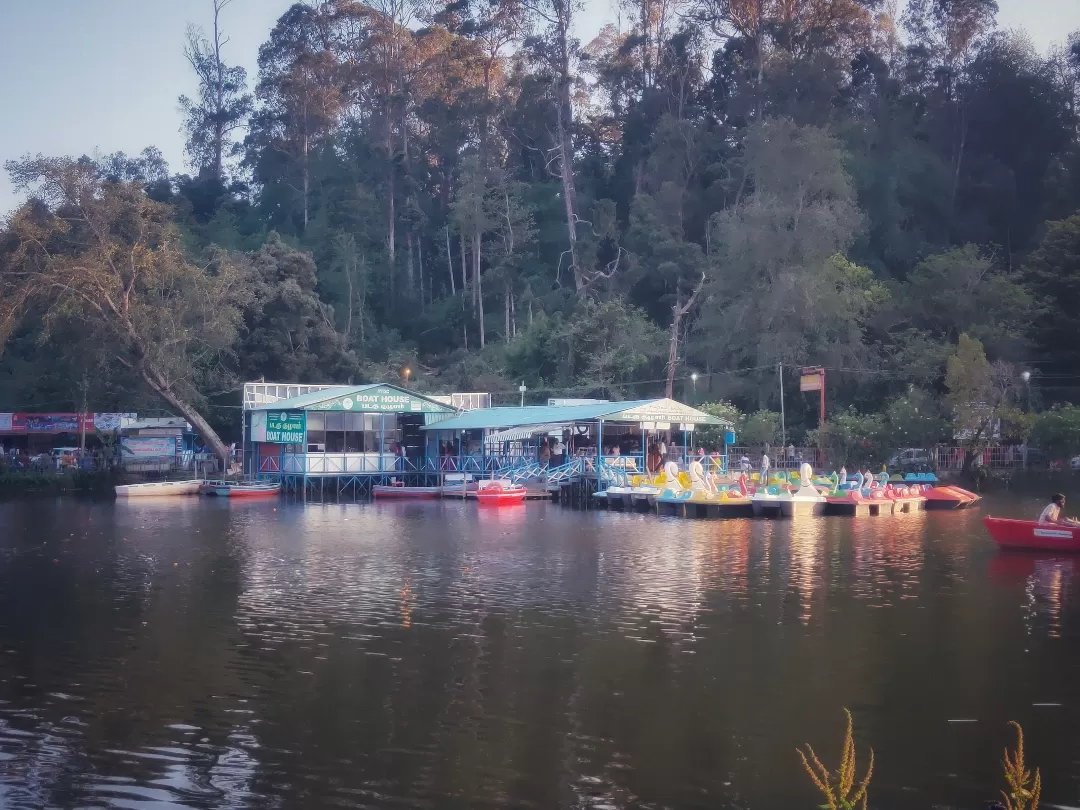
(56, 422)
(136, 447)
(811, 379)
(108, 422)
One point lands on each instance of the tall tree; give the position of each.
(222, 105)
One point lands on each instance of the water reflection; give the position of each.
(442, 655)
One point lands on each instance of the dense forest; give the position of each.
(721, 188)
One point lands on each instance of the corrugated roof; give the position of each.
(639, 410)
(305, 401)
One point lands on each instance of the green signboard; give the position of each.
(286, 427)
(380, 400)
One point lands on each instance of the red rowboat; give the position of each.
(498, 494)
(1031, 535)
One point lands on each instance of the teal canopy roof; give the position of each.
(634, 411)
(373, 397)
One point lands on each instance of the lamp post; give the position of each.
(693, 379)
(521, 390)
(405, 372)
(1026, 377)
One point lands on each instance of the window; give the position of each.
(315, 421)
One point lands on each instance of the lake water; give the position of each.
(205, 654)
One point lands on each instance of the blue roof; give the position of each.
(638, 410)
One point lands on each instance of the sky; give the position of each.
(86, 76)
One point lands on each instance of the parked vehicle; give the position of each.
(912, 460)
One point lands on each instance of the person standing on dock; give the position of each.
(764, 469)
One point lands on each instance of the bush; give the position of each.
(1057, 431)
(852, 439)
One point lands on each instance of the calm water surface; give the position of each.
(185, 653)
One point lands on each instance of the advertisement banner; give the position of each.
(108, 422)
(134, 447)
(286, 427)
(5, 422)
(57, 422)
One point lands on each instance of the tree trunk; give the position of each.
(673, 353)
(564, 121)
(186, 410)
(506, 314)
(420, 267)
(450, 263)
(307, 181)
(410, 278)
(480, 300)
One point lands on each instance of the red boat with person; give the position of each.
(1031, 535)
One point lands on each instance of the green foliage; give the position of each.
(915, 420)
(853, 439)
(712, 436)
(1053, 274)
(759, 428)
(1057, 431)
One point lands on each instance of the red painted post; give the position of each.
(822, 373)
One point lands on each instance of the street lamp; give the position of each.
(693, 379)
(521, 390)
(405, 372)
(1026, 377)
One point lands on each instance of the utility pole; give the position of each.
(783, 428)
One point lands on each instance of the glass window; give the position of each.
(316, 437)
(354, 422)
(335, 421)
(335, 442)
(354, 441)
(315, 421)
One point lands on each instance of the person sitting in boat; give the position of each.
(1051, 513)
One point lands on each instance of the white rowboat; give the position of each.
(158, 488)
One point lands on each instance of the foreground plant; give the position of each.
(839, 787)
(1020, 796)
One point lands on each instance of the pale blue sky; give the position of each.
(81, 76)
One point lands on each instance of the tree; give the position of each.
(301, 93)
(779, 289)
(222, 106)
(1053, 275)
(104, 254)
(289, 332)
(979, 394)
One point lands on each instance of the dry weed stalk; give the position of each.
(1017, 777)
(839, 788)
